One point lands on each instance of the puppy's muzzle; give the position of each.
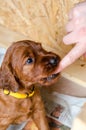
(54, 61)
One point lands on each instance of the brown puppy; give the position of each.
(25, 64)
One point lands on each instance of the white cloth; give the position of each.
(2, 53)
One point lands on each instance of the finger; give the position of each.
(75, 23)
(74, 12)
(69, 26)
(70, 15)
(74, 54)
(84, 55)
(70, 38)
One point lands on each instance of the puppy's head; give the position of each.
(27, 63)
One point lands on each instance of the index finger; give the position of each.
(73, 55)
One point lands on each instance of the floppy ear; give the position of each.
(7, 79)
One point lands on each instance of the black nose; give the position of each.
(54, 61)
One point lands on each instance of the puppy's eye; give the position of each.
(29, 61)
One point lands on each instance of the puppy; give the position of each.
(26, 65)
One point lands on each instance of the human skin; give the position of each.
(76, 34)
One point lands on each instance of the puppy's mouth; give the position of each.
(50, 78)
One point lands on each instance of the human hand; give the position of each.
(76, 34)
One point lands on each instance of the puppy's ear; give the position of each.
(7, 78)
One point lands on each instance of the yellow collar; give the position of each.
(18, 95)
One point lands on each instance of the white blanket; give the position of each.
(2, 52)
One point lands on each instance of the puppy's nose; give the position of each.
(54, 61)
